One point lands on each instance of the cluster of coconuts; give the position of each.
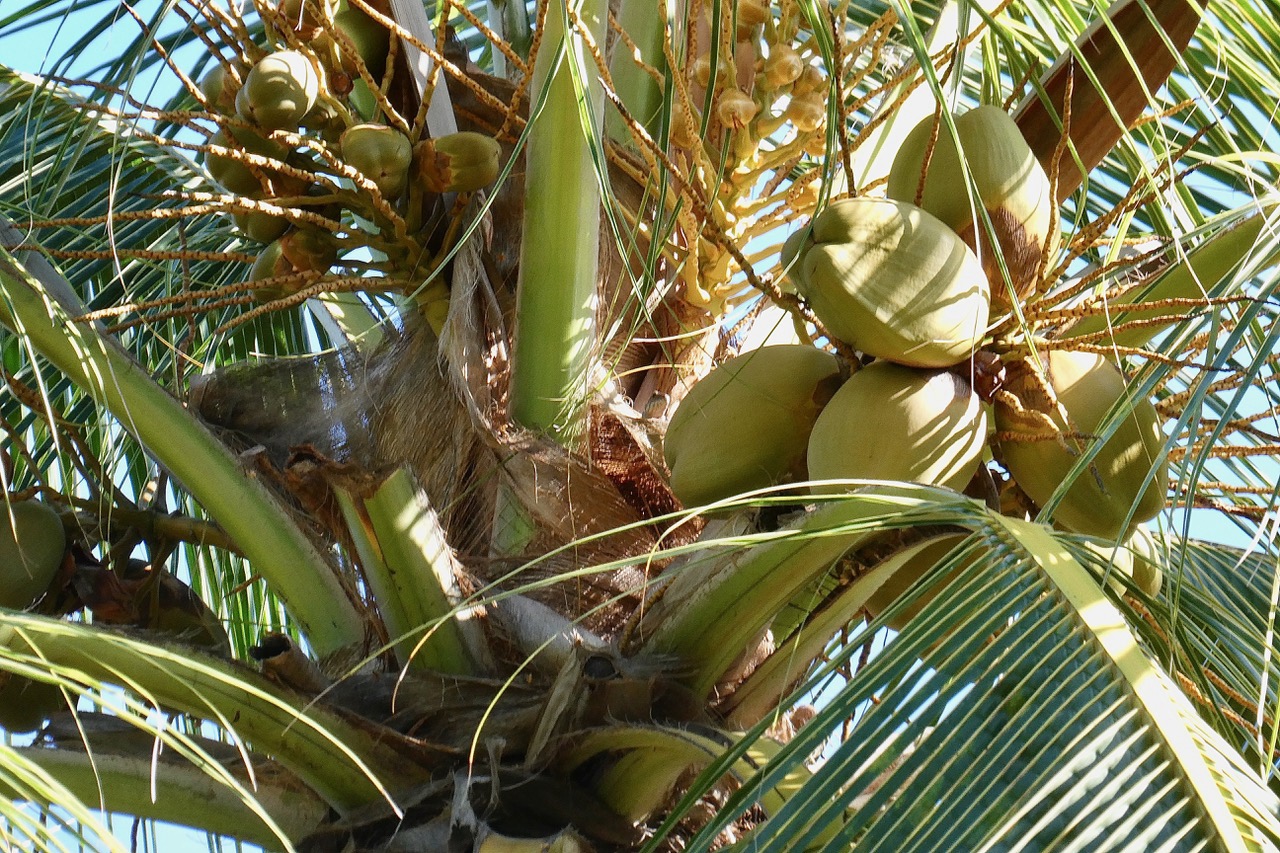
(296, 111)
(33, 544)
(900, 280)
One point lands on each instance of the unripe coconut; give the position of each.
(459, 162)
(309, 249)
(1116, 561)
(279, 91)
(271, 263)
(380, 153)
(808, 111)
(219, 89)
(892, 280)
(1045, 440)
(753, 12)
(746, 424)
(1010, 182)
(261, 227)
(915, 560)
(232, 175)
(890, 422)
(1148, 558)
(371, 40)
(735, 108)
(32, 545)
(25, 704)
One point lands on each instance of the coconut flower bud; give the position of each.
(753, 12)
(735, 108)
(810, 80)
(808, 111)
(783, 66)
(460, 162)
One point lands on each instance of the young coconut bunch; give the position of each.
(622, 698)
(322, 153)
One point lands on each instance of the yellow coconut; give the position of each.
(891, 280)
(1010, 183)
(1048, 421)
(32, 546)
(891, 422)
(746, 424)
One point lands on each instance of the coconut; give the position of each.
(370, 39)
(916, 560)
(458, 162)
(1116, 561)
(1148, 558)
(1010, 183)
(380, 153)
(890, 422)
(279, 90)
(891, 280)
(25, 704)
(32, 546)
(219, 89)
(1042, 442)
(746, 424)
(271, 263)
(261, 227)
(232, 175)
(309, 249)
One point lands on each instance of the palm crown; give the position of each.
(517, 427)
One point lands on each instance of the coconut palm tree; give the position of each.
(397, 458)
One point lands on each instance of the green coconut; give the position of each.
(261, 227)
(1010, 184)
(380, 153)
(746, 424)
(309, 249)
(32, 545)
(1041, 443)
(25, 704)
(458, 162)
(271, 262)
(219, 88)
(891, 280)
(1117, 560)
(1148, 558)
(279, 91)
(232, 175)
(891, 422)
(370, 39)
(914, 562)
